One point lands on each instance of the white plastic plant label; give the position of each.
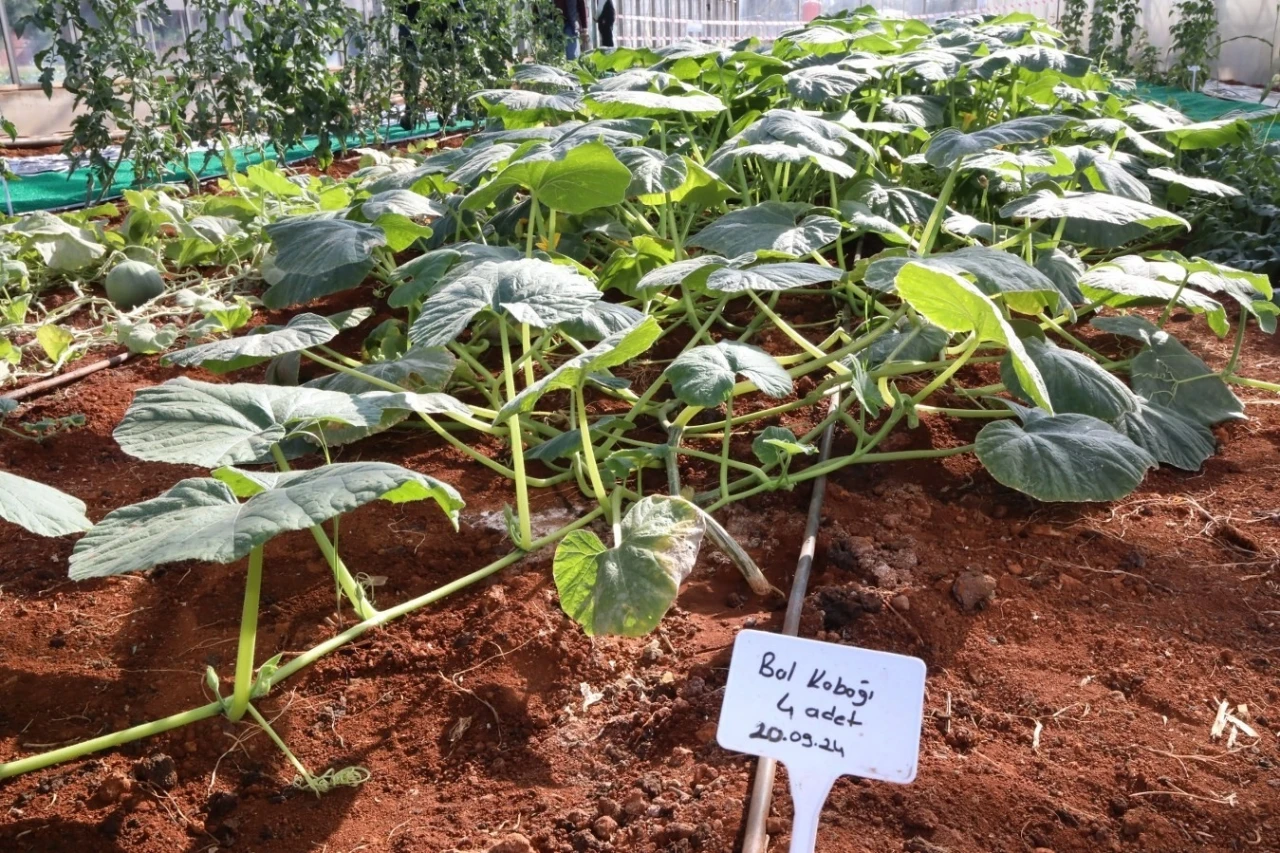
(825, 711)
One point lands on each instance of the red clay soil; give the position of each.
(1069, 709)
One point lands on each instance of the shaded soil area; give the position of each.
(1077, 657)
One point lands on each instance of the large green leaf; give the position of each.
(951, 302)
(530, 291)
(776, 226)
(1169, 436)
(1067, 457)
(1133, 280)
(653, 174)
(1205, 186)
(1221, 133)
(950, 144)
(62, 246)
(301, 332)
(524, 108)
(404, 202)
(547, 76)
(998, 274)
(600, 320)
(1102, 208)
(315, 257)
(657, 178)
(1076, 384)
(915, 110)
(480, 162)
(768, 277)
(705, 375)
(820, 84)
(418, 277)
(804, 130)
(202, 519)
(900, 205)
(199, 423)
(782, 152)
(42, 509)
(1035, 58)
(627, 589)
(1251, 291)
(574, 180)
(677, 273)
(617, 349)
(906, 343)
(1171, 376)
(622, 103)
(861, 219)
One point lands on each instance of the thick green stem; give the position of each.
(393, 388)
(204, 712)
(533, 213)
(942, 378)
(350, 587)
(517, 444)
(1173, 300)
(588, 451)
(283, 747)
(1273, 387)
(726, 438)
(1239, 344)
(939, 210)
(109, 741)
(527, 348)
(248, 637)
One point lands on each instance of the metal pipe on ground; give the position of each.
(755, 839)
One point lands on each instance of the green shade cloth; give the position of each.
(1201, 107)
(58, 190)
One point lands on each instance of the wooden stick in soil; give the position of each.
(66, 378)
(754, 837)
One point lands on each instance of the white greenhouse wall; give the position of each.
(1245, 59)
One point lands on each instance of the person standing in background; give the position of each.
(605, 17)
(574, 13)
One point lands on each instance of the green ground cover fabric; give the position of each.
(1202, 107)
(58, 190)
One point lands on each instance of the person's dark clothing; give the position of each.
(574, 13)
(605, 22)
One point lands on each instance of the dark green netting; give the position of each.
(58, 190)
(1201, 107)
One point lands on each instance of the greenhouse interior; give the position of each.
(639, 426)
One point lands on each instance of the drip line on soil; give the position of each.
(754, 837)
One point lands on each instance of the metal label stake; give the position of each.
(824, 710)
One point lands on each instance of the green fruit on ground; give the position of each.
(132, 283)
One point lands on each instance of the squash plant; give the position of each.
(606, 280)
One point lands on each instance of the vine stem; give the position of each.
(1239, 344)
(588, 451)
(248, 637)
(726, 437)
(1252, 383)
(517, 443)
(383, 384)
(302, 661)
(279, 742)
(935, 218)
(354, 592)
(942, 378)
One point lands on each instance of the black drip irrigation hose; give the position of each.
(755, 839)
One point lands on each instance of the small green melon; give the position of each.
(132, 283)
